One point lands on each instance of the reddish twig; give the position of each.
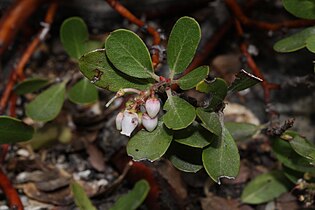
(128, 15)
(18, 73)
(10, 192)
(14, 19)
(239, 14)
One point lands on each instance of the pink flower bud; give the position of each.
(119, 119)
(149, 123)
(152, 105)
(129, 122)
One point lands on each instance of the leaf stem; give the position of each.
(169, 92)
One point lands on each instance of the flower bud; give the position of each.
(129, 122)
(119, 119)
(152, 105)
(149, 123)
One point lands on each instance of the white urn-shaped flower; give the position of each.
(152, 106)
(129, 122)
(149, 123)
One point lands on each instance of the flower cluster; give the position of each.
(129, 119)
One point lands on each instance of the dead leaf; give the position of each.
(52, 185)
(96, 157)
(219, 203)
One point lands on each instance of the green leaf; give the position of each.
(83, 92)
(294, 42)
(13, 130)
(96, 67)
(210, 120)
(288, 157)
(180, 114)
(301, 145)
(217, 90)
(182, 44)
(134, 198)
(73, 35)
(30, 85)
(91, 45)
(300, 8)
(190, 80)
(185, 165)
(310, 43)
(47, 105)
(240, 130)
(243, 81)
(80, 197)
(221, 159)
(194, 136)
(292, 175)
(265, 187)
(127, 52)
(149, 145)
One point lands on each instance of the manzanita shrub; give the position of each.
(157, 117)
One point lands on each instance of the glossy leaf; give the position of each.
(310, 43)
(127, 52)
(210, 121)
(265, 187)
(300, 8)
(217, 90)
(149, 145)
(294, 42)
(194, 136)
(133, 199)
(73, 35)
(288, 157)
(83, 92)
(191, 79)
(243, 81)
(240, 130)
(80, 197)
(95, 66)
(185, 165)
(30, 85)
(13, 130)
(182, 44)
(47, 105)
(180, 114)
(301, 145)
(221, 159)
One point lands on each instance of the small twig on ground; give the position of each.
(246, 21)
(18, 72)
(12, 21)
(12, 196)
(128, 15)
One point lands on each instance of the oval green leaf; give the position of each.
(265, 187)
(292, 175)
(301, 145)
(180, 114)
(300, 8)
(190, 80)
(127, 52)
(243, 80)
(194, 136)
(288, 157)
(96, 67)
(221, 159)
(13, 130)
(310, 43)
(149, 145)
(184, 165)
(217, 90)
(182, 44)
(47, 105)
(30, 85)
(210, 120)
(80, 197)
(73, 35)
(83, 92)
(294, 42)
(134, 198)
(241, 131)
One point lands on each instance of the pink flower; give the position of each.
(149, 123)
(129, 122)
(152, 105)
